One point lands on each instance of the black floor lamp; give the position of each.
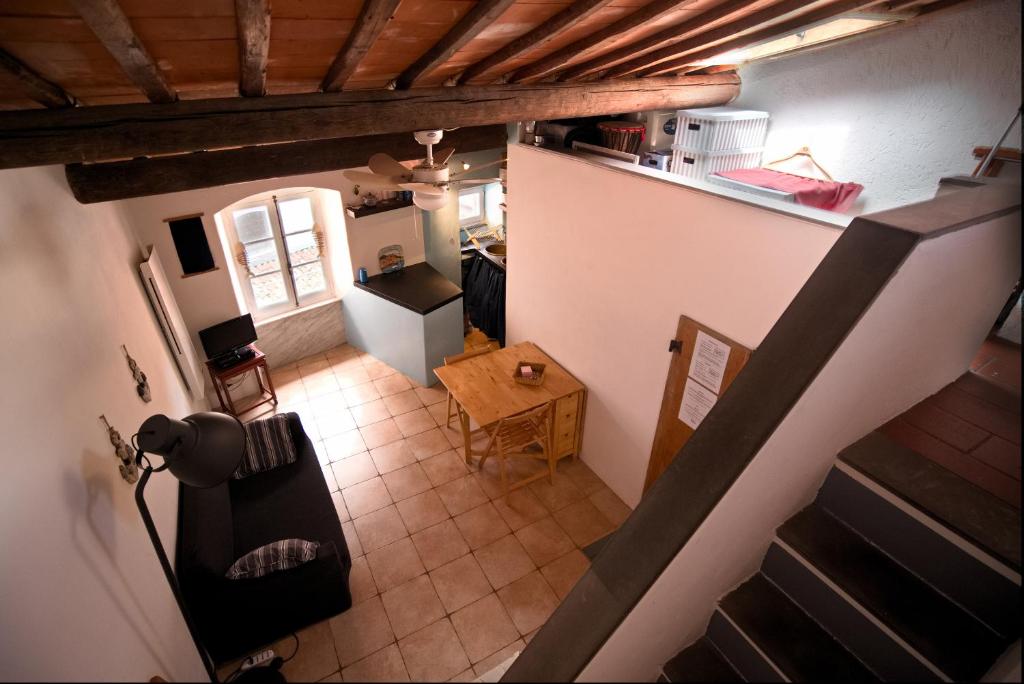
(203, 450)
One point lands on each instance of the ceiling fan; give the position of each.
(428, 179)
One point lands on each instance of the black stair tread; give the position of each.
(948, 636)
(977, 515)
(793, 641)
(700, 662)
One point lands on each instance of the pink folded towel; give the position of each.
(807, 191)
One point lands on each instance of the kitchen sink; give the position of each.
(496, 249)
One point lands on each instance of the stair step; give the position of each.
(796, 644)
(969, 510)
(945, 634)
(700, 662)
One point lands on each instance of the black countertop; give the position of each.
(420, 288)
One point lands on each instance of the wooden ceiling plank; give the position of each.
(253, 19)
(774, 31)
(110, 24)
(578, 11)
(596, 40)
(104, 182)
(482, 15)
(33, 85)
(89, 134)
(373, 17)
(675, 32)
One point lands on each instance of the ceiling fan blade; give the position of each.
(470, 182)
(424, 188)
(385, 165)
(373, 180)
(442, 156)
(474, 169)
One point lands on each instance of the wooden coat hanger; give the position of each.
(804, 152)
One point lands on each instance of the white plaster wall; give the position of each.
(82, 596)
(897, 109)
(602, 262)
(919, 335)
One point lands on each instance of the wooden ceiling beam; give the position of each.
(253, 20)
(482, 15)
(595, 40)
(108, 181)
(676, 32)
(579, 10)
(108, 21)
(373, 17)
(35, 86)
(770, 13)
(104, 133)
(774, 31)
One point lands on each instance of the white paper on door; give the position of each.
(697, 402)
(707, 365)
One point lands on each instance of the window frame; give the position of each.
(480, 218)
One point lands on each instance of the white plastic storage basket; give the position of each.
(698, 164)
(720, 128)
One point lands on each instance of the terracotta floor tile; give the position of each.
(369, 413)
(345, 363)
(504, 561)
(293, 392)
(434, 653)
(583, 522)
(498, 658)
(386, 665)
(377, 369)
(332, 483)
(342, 351)
(529, 637)
(529, 601)
(429, 443)
(360, 581)
(467, 675)
(440, 544)
(422, 511)
(481, 525)
(432, 395)
(523, 507)
(395, 564)
(445, 467)
(315, 657)
(438, 413)
(402, 402)
(333, 678)
(392, 384)
(611, 506)
(320, 383)
(545, 540)
(460, 582)
(406, 482)
(558, 495)
(312, 364)
(379, 434)
(517, 469)
(353, 470)
(361, 630)
(284, 376)
(412, 606)
(563, 573)
(484, 627)
(339, 506)
(344, 445)
(355, 547)
(414, 422)
(328, 405)
(321, 453)
(380, 528)
(350, 376)
(453, 433)
(581, 475)
(461, 495)
(366, 497)
(358, 394)
(392, 456)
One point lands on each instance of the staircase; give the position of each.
(900, 570)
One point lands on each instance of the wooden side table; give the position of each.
(220, 377)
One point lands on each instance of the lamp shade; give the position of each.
(429, 202)
(202, 450)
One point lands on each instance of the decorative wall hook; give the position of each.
(141, 384)
(129, 471)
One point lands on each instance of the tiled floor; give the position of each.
(448, 580)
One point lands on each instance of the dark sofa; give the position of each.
(216, 526)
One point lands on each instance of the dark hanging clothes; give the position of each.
(484, 295)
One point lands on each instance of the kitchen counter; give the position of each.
(420, 288)
(495, 260)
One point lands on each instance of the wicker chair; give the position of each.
(512, 437)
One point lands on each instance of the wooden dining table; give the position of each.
(485, 391)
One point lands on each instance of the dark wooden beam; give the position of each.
(108, 181)
(770, 13)
(579, 10)
(253, 20)
(108, 21)
(672, 33)
(596, 40)
(774, 31)
(33, 85)
(482, 15)
(84, 134)
(373, 17)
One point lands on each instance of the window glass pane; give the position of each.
(309, 279)
(269, 290)
(470, 206)
(302, 248)
(296, 214)
(262, 257)
(252, 224)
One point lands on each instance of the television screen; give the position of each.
(225, 337)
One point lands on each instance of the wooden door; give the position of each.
(672, 433)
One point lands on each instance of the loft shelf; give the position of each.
(381, 206)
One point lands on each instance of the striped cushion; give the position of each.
(268, 444)
(280, 555)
